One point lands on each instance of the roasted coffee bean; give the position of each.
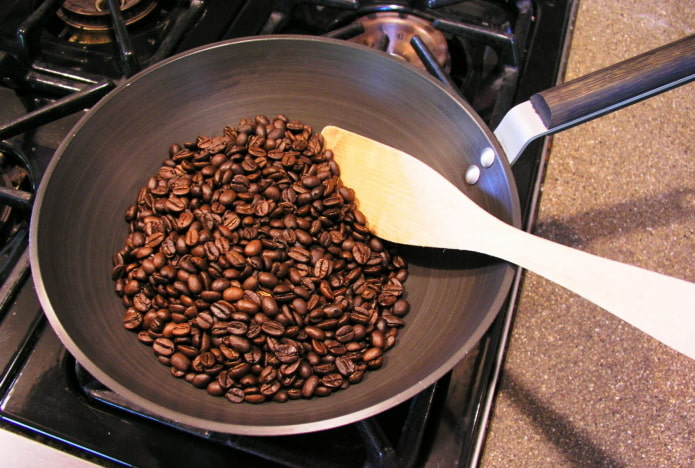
(195, 285)
(271, 388)
(237, 327)
(360, 331)
(253, 248)
(189, 351)
(315, 333)
(273, 328)
(309, 386)
(247, 306)
(299, 254)
(204, 321)
(239, 343)
(224, 380)
(180, 361)
(345, 334)
(287, 353)
(375, 363)
(255, 398)
(228, 353)
(239, 370)
(324, 368)
(289, 368)
(219, 285)
(392, 321)
(163, 346)
(371, 354)
(235, 395)
(132, 319)
(254, 330)
(361, 253)
(219, 329)
(210, 296)
(335, 347)
(222, 310)
(319, 347)
(356, 377)
(267, 279)
(232, 294)
(345, 365)
(400, 308)
(377, 339)
(322, 391)
(181, 329)
(269, 306)
(145, 337)
(215, 389)
(333, 381)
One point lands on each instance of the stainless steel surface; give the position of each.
(79, 213)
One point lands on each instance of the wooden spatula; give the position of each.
(408, 202)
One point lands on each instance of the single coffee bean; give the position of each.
(239, 370)
(255, 398)
(163, 346)
(205, 321)
(236, 327)
(273, 328)
(235, 395)
(269, 306)
(239, 343)
(309, 386)
(232, 294)
(132, 319)
(371, 354)
(333, 380)
(287, 353)
(345, 365)
(180, 361)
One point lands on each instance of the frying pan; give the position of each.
(78, 223)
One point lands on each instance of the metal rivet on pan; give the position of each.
(472, 174)
(487, 157)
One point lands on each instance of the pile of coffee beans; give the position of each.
(250, 272)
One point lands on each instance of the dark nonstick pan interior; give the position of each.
(78, 220)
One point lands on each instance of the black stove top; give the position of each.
(59, 57)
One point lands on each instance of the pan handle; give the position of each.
(596, 94)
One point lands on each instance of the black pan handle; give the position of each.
(618, 85)
(596, 94)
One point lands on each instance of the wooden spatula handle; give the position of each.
(659, 305)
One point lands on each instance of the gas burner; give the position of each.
(16, 188)
(392, 32)
(89, 21)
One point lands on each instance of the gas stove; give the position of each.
(57, 58)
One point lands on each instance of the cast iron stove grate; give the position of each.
(390, 439)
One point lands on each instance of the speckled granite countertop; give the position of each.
(580, 387)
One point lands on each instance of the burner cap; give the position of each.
(90, 20)
(394, 31)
